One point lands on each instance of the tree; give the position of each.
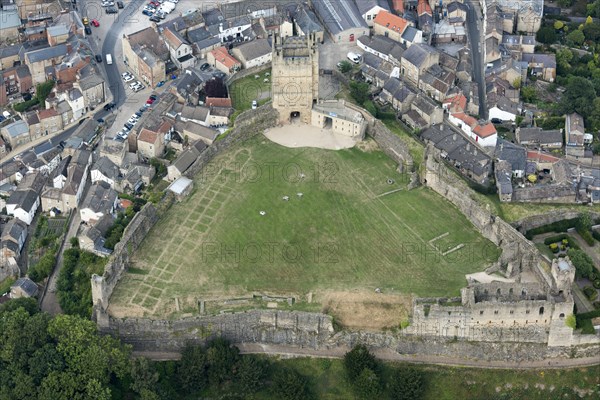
(221, 357)
(359, 91)
(289, 385)
(546, 35)
(367, 385)
(528, 94)
(558, 25)
(578, 97)
(370, 107)
(584, 222)
(517, 83)
(563, 59)
(583, 263)
(565, 3)
(577, 37)
(357, 359)
(192, 371)
(407, 384)
(251, 372)
(215, 88)
(345, 66)
(143, 375)
(74, 242)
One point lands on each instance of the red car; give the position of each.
(156, 4)
(95, 23)
(149, 101)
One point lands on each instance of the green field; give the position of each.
(244, 90)
(354, 227)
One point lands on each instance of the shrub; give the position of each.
(558, 226)
(571, 321)
(584, 265)
(597, 283)
(592, 276)
(587, 236)
(590, 292)
(358, 359)
(557, 238)
(596, 305)
(554, 247)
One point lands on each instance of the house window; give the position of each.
(178, 52)
(368, 17)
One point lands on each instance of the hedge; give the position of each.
(584, 321)
(587, 236)
(596, 235)
(558, 226)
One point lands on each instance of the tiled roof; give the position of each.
(424, 8)
(147, 136)
(221, 55)
(391, 21)
(485, 130)
(218, 101)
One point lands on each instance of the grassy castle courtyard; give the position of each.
(269, 220)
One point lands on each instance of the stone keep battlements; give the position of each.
(295, 77)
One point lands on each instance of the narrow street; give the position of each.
(476, 43)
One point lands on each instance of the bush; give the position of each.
(554, 247)
(558, 226)
(596, 305)
(26, 105)
(596, 234)
(584, 265)
(557, 238)
(590, 293)
(597, 283)
(289, 385)
(358, 359)
(571, 321)
(407, 384)
(43, 268)
(587, 236)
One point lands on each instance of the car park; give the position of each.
(95, 23)
(111, 10)
(98, 58)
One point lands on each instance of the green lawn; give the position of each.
(342, 234)
(244, 90)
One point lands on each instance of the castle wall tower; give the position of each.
(295, 77)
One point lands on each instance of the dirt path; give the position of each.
(389, 355)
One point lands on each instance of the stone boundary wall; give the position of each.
(136, 231)
(315, 331)
(536, 221)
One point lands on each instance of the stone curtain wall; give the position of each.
(247, 125)
(315, 331)
(103, 286)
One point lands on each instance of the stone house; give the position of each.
(185, 160)
(145, 53)
(16, 133)
(538, 138)
(398, 94)
(92, 88)
(179, 49)
(416, 60)
(574, 135)
(104, 170)
(253, 54)
(427, 109)
(382, 47)
(15, 80)
(335, 116)
(100, 200)
(437, 82)
(23, 204)
(369, 9)
(9, 29)
(150, 144)
(220, 59)
(194, 132)
(14, 235)
(542, 66)
(23, 287)
(50, 120)
(307, 23)
(92, 238)
(57, 34)
(389, 25)
(39, 60)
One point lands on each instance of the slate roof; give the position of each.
(417, 53)
(548, 60)
(57, 30)
(13, 230)
(23, 198)
(189, 155)
(366, 5)
(535, 135)
(46, 53)
(410, 33)
(514, 154)
(100, 198)
(10, 19)
(424, 104)
(27, 285)
(397, 89)
(254, 49)
(338, 15)
(107, 168)
(307, 21)
(17, 128)
(197, 35)
(456, 5)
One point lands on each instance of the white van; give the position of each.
(108, 59)
(355, 58)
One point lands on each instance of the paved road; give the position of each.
(474, 27)
(389, 355)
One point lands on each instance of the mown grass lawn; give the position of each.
(354, 227)
(244, 90)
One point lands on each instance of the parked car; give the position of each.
(138, 114)
(120, 4)
(154, 3)
(149, 101)
(88, 30)
(160, 83)
(254, 104)
(153, 97)
(148, 12)
(85, 20)
(107, 3)
(497, 121)
(98, 57)
(142, 109)
(128, 126)
(95, 23)
(111, 10)
(219, 74)
(109, 106)
(204, 67)
(154, 18)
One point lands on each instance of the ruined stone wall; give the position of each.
(389, 143)
(134, 234)
(315, 331)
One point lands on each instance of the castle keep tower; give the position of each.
(295, 77)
